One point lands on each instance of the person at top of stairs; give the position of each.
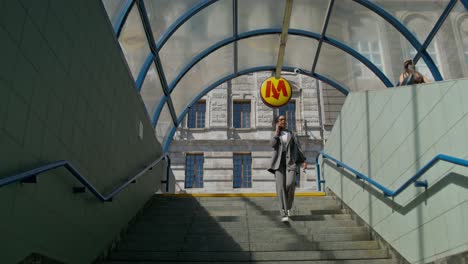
(285, 162)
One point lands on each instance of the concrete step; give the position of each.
(246, 236)
(251, 202)
(152, 231)
(248, 207)
(245, 222)
(249, 256)
(359, 261)
(228, 245)
(174, 219)
(241, 212)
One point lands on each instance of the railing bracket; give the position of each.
(81, 189)
(32, 179)
(421, 184)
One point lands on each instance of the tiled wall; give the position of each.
(66, 94)
(389, 135)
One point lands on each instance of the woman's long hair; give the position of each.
(275, 120)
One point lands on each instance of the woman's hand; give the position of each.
(278, 129)
(304, 166)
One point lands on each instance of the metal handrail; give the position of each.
(385, 190)
(30, 176)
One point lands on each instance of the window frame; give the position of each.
(201, 102)
(196, 178)
(241, 102)
(245, 181)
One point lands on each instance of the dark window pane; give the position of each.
(242, 171)
(194, 171)
(196, 118)
(241, 114)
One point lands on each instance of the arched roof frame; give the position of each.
(420, 48)
(156, 47)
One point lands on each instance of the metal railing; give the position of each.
(30, 176)
(385, 190)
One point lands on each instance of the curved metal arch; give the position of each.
(406, 33)
(237, 74)
(296, 32)
(157, 111)
(366, 3)
(123, 17)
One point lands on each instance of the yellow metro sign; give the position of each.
(275, 92)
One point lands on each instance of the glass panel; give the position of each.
(217, 65)
(242, 114)
(163, 13)
(369, 34)
(189, 170)
(452, 38)
(242, 170)
(197, 34)
(133, 42)
(404, 10)
(260, 14)
(300, 52)
(113, 9)
(164, 125)
(151, 90)
(344, 69)
(258, 51)
(308, 15)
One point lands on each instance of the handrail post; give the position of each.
(168, 170)
(317, 171)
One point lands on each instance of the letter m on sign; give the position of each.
(271, 89)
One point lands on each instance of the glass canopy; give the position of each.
(178, 50)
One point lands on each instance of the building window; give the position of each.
(372, 50)
(289, 112)
(196, 116)
(366, 40)
(194, 171)
(242, 114)
(242, 171)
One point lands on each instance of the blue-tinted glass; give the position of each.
(189, 174)
(242, 171)
(191, 118)
(194, 171)
(237, 116)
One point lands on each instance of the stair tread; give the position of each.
(249, 255)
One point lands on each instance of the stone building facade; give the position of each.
(315, 109)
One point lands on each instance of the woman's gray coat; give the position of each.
(294, 153)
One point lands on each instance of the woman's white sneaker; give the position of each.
(285, 219)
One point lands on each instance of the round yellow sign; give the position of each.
(275, 92)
